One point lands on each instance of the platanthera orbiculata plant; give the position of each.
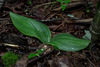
(33, 28)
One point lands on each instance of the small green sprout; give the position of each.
(29, 2)
(63, 3)
(31, 55)
(9, 59)
(40, 51)
(87, 10)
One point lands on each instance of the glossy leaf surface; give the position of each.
(31, 27)
(67, 42)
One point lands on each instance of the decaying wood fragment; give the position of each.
(95, 27)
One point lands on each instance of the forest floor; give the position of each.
(75, 19)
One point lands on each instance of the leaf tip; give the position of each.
(10, 13)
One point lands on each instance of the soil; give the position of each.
(75, 19)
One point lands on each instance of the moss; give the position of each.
(9, 59)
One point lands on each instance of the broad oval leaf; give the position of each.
(31, 27)
(67, 42)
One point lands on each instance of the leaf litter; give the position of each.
(58, 22)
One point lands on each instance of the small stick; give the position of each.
(57, 27)
(70, 5)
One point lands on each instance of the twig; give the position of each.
(51, 3)
(91, 63)
(42, 5)
(84, 20)
(57, 27)
(4, 19)
(70, 5)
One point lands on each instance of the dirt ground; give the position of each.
(75, 19)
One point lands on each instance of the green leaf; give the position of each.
(67, 1)
(61, 1)
(87, 35)
(87, 10)
(31, 55)
(63, 7)
(31, 27)
(40, 51)
(29, 2)
(67, 42)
